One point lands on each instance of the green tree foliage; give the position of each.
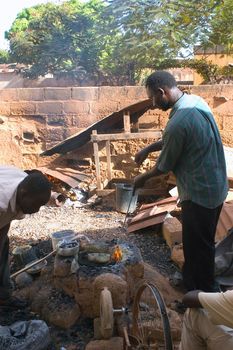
(4, 56)
(114, 40)
(59, 39)
(155, 30)
(221, 26)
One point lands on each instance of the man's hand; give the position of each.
(139, 181)
(141, 156)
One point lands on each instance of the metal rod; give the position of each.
(33, 264)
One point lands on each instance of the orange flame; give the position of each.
(117, 254)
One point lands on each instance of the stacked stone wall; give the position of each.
(34, 119)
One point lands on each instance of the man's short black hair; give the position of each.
(160, 79)
(36, 183)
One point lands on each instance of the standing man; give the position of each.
(20, 194)
(191, 148)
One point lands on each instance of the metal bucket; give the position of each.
(60, 236)
(124, 194)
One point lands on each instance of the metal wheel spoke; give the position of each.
(150, 320)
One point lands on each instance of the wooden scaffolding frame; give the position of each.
(126, 135)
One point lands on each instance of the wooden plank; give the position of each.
(79, 177)
(64, 178)
(145, 214)
(146, 223)
(135, 126)
(159, 203)
(70, 170)
(108, 155)
(126, 136)
(151, 212)
(126, 118)
(97, 161)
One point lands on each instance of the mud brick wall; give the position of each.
(34, 119)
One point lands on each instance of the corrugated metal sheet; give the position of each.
(62, 177)
(151, 215)
(107, 124)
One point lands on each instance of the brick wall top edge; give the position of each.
(17, 94)
(107, 86)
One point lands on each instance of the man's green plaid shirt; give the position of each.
(193, 150)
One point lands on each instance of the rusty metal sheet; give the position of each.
(146, 223)
(225, 221)
(110, 123)
(164, 201)
(58, 175)
(152, 215)
(73, 173)
(145, 214)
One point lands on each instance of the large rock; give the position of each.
(68, 284)
(85, 295)
(64, 316)
(115, 343)
(62, 266)
(116, 285)
(177, 255)
(172, 231)
(169, 294)
(24, 279)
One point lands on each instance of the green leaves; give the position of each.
(57, 38)
(113, 40)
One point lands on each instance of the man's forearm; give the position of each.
(154, 147)
(191, 299)
(152, 172)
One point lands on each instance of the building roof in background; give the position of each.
(217, 49)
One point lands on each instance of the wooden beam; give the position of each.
(126, 118)
(108, 155)
(126, 136)
(97, 161)
(135, 126)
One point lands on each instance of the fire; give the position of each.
(117, 254)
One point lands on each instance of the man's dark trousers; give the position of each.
(5, 285)
(199, 227)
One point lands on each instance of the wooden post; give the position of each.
(97, 161)
(108, 155)
(136, 126)
(126, 117)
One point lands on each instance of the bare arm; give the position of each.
(142, 178)
(191, 299)
(143, 154)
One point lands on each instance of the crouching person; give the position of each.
(208, 321)
(20, 193)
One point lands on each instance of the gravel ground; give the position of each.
(97, 223)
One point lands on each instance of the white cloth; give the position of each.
(199, 333)
(211, 327)
(10, 178)
(219, 307)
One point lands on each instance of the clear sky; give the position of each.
(9, 11)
